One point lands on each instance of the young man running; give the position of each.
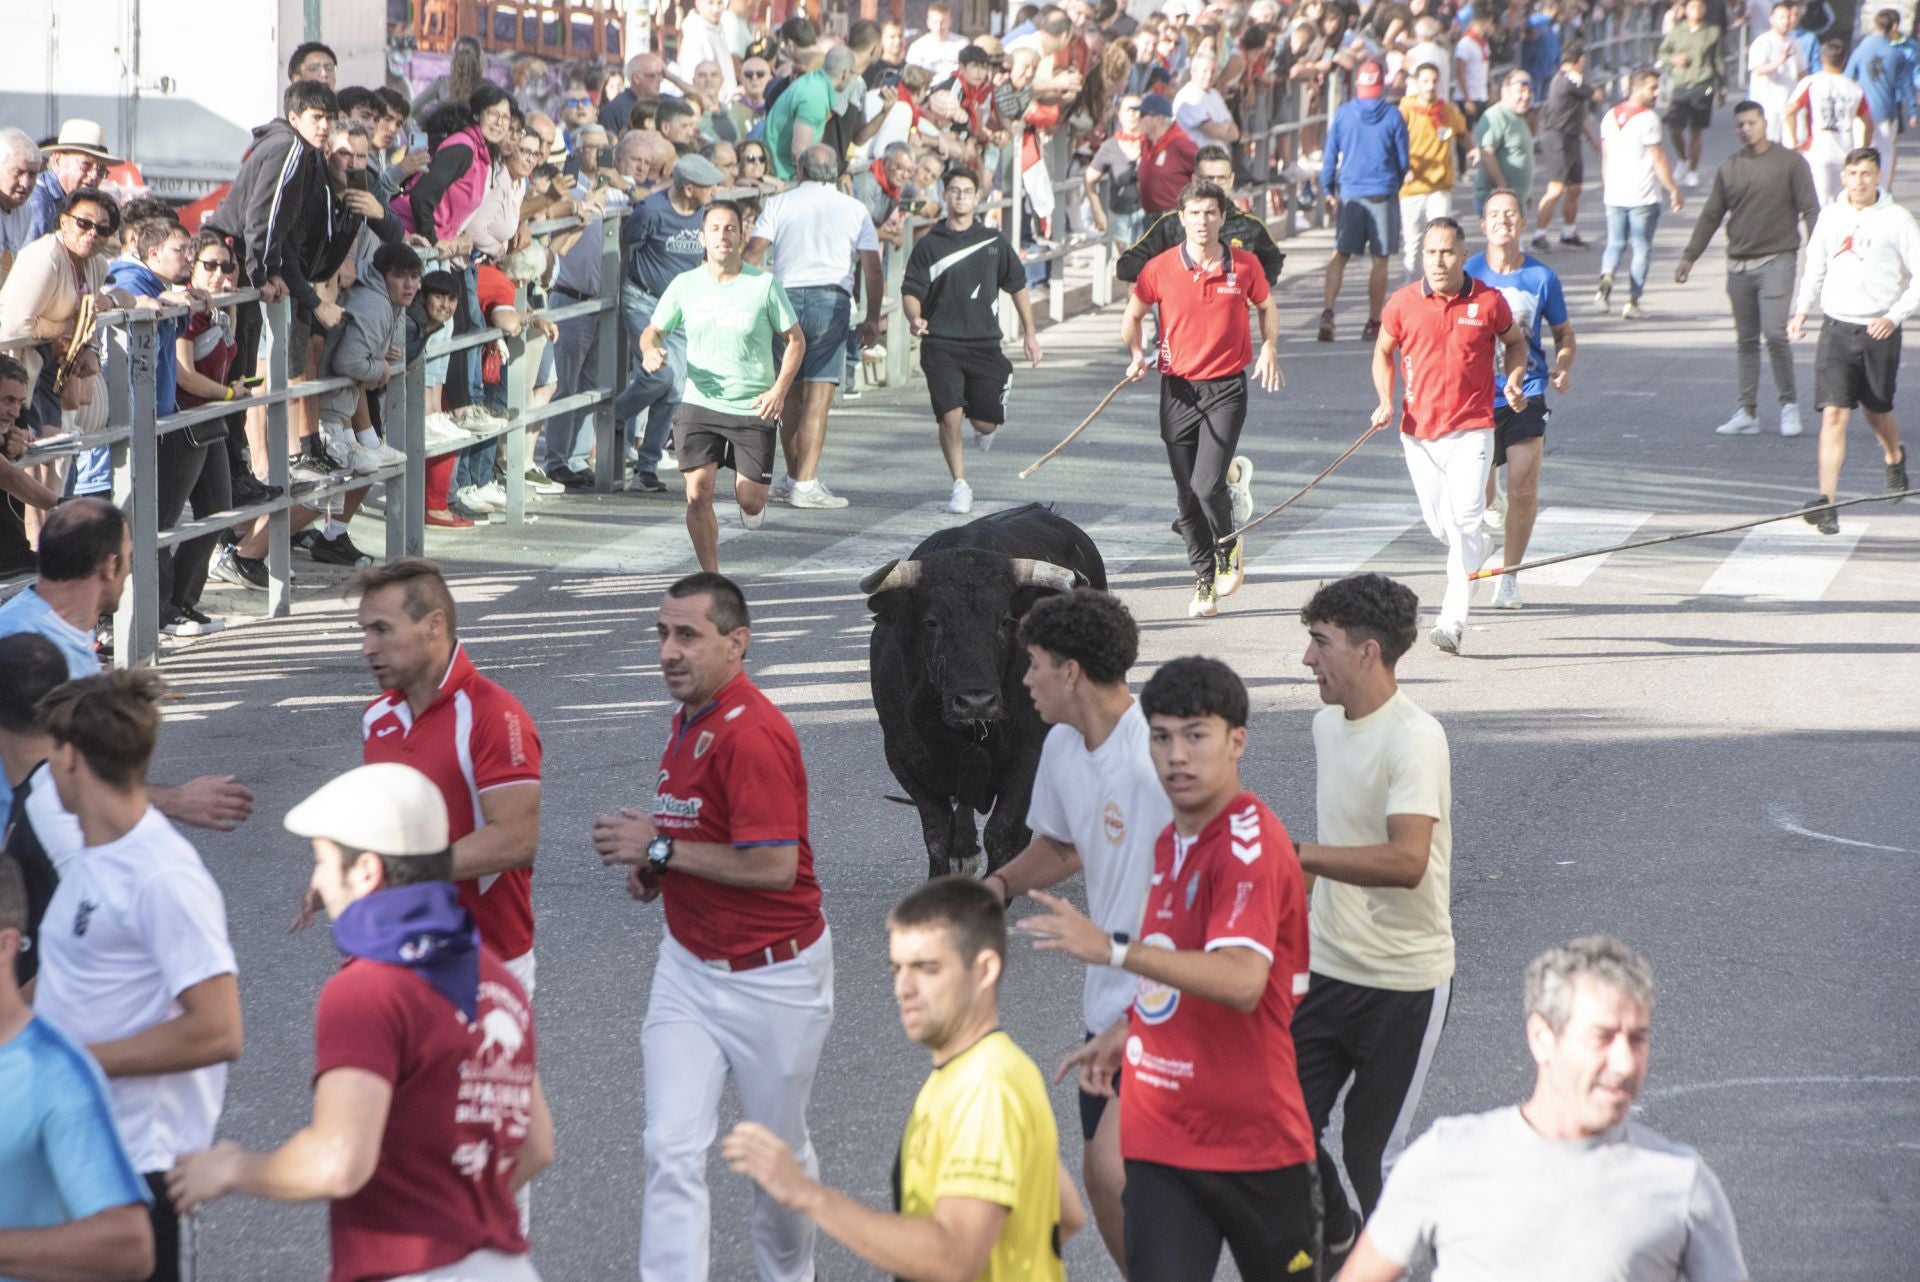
(1381, 923)
(1097, 805)
(979, 1183)
(732, 313)
(957, 269)
(1215, 1132)
(1827, 118)
(1447, 328)
(1203, 289)
(1533, 292)
(1863, 268)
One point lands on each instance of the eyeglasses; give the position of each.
(579, 102)
(88, 225)
(215, 264)
(755, 159)
(534, 153)
(755, 75)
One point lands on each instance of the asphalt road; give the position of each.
(1708, 748)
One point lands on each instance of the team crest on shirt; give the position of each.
(1155, 1001)
(701, 744)
(1114, 822)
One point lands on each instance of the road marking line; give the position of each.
(1787, 561)
(1784, 820)
(884, 541)
(657, 546)
(1336, 542)
(1137, 532)
(1690, 1088)
(1560, 530)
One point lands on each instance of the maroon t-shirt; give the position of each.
(462, 1097)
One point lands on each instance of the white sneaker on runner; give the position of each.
(960, 502)
(1692, 180)
(1240, 489)
(1789, 420)
(781, 491)
(1506, 592)
(1745, 424)
(1447, 636)
(815, 494)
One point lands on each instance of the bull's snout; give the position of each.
(976, 706)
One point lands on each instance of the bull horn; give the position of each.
(1043, 574)
(894, 574)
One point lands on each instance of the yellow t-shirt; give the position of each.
(1429, 155)
(982, 1127)
(1393, 761)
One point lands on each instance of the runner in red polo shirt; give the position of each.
(744, 980)
(1212, 1123)
(465, 733)
(1202, 289)
(1447, 327)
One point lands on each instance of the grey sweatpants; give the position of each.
(1762, 300)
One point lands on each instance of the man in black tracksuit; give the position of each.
(1241, 230)
(954, 276)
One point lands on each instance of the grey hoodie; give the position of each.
(358, 347)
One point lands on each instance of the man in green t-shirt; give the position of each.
(1505, 157)
(732, 314)
(798, 117)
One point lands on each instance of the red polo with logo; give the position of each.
(1165, 168)
(474, 737)
(1204, 332)
(732, 775)
(1446, 355)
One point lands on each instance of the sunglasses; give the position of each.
(215, 264)
(88, 225)
(755, 75)
(753, 160)
(579, 102)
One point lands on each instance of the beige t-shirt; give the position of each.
(1391, 762)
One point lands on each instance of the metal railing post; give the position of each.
(279, 324)
(136, 624)
(513, 443)
(413, 420)
(899, 334)
(607, 354)
(393, 406)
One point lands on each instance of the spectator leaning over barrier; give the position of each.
(467, 141)
(813, 234)
(1364, 165)
(368, 347)
(18, 427)
(798, 117)
(1199, 109)
(19, 171)
(1167, 157)
(1504, 157)
(1432, 125)
(1116, 167)
(76, 158)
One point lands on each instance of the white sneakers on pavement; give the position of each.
(960, 502)
(1506, 593)
(1790, 420)
(814, 494)
(1240, 489)
(781, 491)
(1447, 636)
(1742, 423)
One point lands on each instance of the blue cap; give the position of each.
(1156, 104)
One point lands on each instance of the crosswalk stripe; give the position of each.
(1561, 530)
(1336, 542)
(657, 546)
(1787, 561)
(1137, 532)
(884, 541)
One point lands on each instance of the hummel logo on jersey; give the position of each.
(1244, 828)
(84, 916)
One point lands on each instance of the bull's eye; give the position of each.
(930, 623)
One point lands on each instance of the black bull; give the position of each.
(962, 736)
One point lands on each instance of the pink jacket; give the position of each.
(461, 197)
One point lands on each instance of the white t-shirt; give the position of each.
(1192, 108)
(1629, 135)
(1431, 53)
(1833, 110)
(1473, 66)
(1109, 804)
(1773, 89)
(134, 924)
(1492, 1200)
(53, 824)
(1393, 761)
(941, 58)
(816, 233)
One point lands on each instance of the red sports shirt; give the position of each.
(462, 1096)
(473, 737)
(1446, 355)
(732, 774)
(1210, 1088)
(1166, 167)
(1204, 331)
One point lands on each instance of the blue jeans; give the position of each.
(1633, 224)
(825, 314)
(658, 394)
(567, 438)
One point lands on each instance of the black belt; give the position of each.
(574, 294)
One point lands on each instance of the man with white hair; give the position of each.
(1199, 109)
(19, 168)
(645, 74)
(1514, 1190)
(814, 233)
(1429, 51)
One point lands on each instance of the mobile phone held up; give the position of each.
(417, 140)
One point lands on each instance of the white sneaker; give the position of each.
(1692, 180)
(362, 460)
(781, 491)
(1447, 636)
(667, 463)
(1240, 489)
(1506, 592)
(753, 521)
(442, 430)
(1744, 424)
(388, 456)
(475, 499)
(339, 445)
(495, 494)
(1789, 420)
(815, 494)
(960, 502)
(478, 419)
(985, 441)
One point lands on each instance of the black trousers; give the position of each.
(1200, 422)
(166, 1230)
(179, 472)
(1384, 1040)
(1178, 1219)
(213, 492)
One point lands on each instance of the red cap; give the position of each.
(1366, 81)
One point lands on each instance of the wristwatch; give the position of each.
(659, 852)
(1117, 958)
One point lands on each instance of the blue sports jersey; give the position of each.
(1534, 294)
(60, 1156)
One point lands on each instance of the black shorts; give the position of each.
(1509, 427)
(1177, 1220)
(1093, 1106)
(1689, 107)
(972, 377)
(704, 437)
(1852, 369)
(1562, 161)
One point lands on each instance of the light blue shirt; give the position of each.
(28, 611)
(60, 1156)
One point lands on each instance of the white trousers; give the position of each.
(1415, 213)
(1826, 158)
(481, 1266)
(1886, 136)
(1450, 479)
(766, 1027)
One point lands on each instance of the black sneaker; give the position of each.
(247, 490)
(1825, 520)
(645, 483)
(241, 571)
(305, 538)
(339, 551)
(1897, 474)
